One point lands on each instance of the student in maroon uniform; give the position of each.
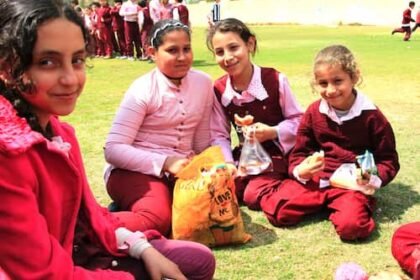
(51, 226)
(180, 12)
(104, 24)
(129, 10)
(118, 29)
(343, 124)
(248, 89)
(406, 248)
(145, 25)
(406, 21)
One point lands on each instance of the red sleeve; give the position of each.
(28, 250)
(306, 143)
(384, 147)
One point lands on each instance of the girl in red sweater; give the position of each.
(343, 124)
(51, 226)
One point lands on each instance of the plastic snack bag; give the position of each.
(254, 159)
(205, 208)
(346, 177)
(366, 163)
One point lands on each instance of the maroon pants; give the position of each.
(406, 30)
(351, 211)
(132, 36)
(250, 189)
(119, 35)
(105, 41)
(146, 200)
(405, 241)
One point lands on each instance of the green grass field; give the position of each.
(312, 250)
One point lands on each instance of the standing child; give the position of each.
(104, 24)
(337, 128)
(248, 89)
(215, 15)
(145, 25)
(118, 28)
(129, 10)
(406, 22)
(180, 12)
(162, 121)
(406, 248)
(51, 226)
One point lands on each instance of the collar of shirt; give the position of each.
(165, 82)
(254, 91)
(361, 103)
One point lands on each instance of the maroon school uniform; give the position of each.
(104, 24)
(405, 241)
(183, 14)
(405, 25)
(266, 111)
(145, 29)
(351, 211)
(118, 29)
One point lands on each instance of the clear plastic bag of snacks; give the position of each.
(254, 159)
(366, 163)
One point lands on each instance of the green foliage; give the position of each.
(311, 250)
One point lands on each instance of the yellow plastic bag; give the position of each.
(205, 208)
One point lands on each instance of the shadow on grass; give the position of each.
(261, 234)
(393, 201)
(198, 63)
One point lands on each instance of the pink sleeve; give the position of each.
(220, 130)
(202, 135)
(292, 112)
(119, 149)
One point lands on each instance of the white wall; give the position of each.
(324, 12)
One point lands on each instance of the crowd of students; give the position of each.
(167, 116)
(120, 30)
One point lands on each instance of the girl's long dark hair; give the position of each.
(19, 22)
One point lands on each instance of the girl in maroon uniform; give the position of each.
(342, 124)
(248, 89)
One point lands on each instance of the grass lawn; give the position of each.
(312, 250)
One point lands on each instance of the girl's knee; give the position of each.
(354, 229)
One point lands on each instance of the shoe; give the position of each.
(122, 57)
(130, 58)
(393, 32)
(107, 57)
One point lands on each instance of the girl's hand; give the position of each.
(264, 132)
(232, 168)
(363, 184)
(174, 164)
(311, 165)
(159, 267)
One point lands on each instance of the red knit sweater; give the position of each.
(342, 143)
(44, 192)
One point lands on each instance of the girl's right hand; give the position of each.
(311, 165)
(159, 267)
(174, 164)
